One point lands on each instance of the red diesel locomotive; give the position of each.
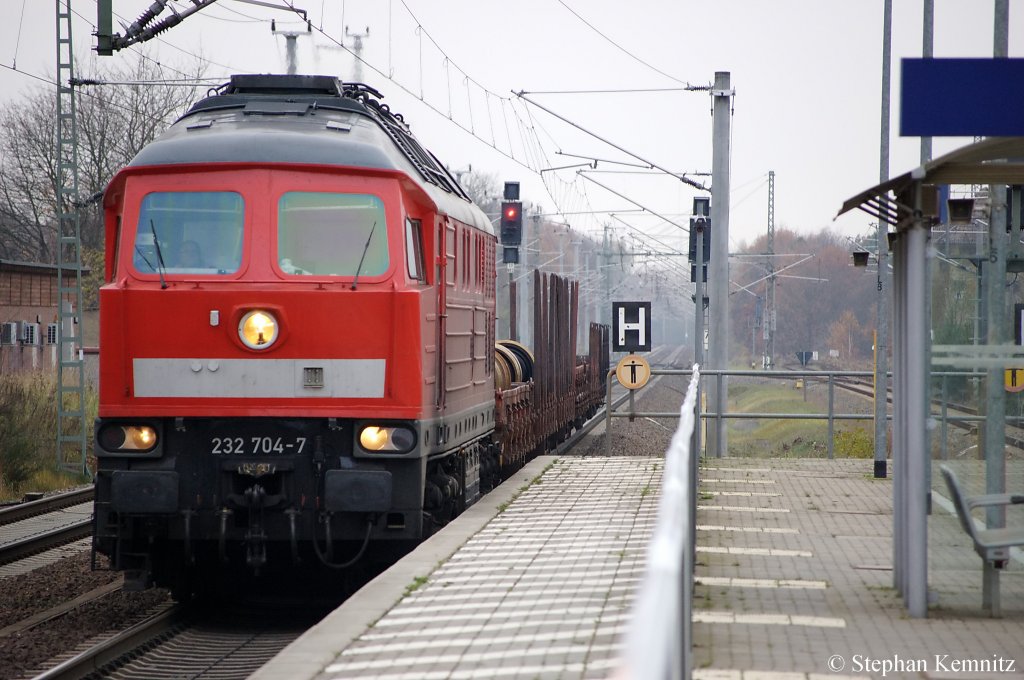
(297, 341)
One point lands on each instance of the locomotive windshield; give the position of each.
(182, 232)
(326, 234)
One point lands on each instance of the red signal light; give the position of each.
(511, 223)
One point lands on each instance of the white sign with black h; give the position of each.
(631, 326)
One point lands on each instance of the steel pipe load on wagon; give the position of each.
(513, 363)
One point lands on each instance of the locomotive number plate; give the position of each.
(257, 445)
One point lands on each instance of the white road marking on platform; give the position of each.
(405, 659)
(748, 530)
(742, 494)
(476, 628)
(731, 674)
(772, 552)
(740, 508)
(768, 619)
(399, 618)
(477, 641)
(507, 671)
(529, 565)
(547, 527)
(706, 480)
(515, 589)
(759, 582)
(526, 578)
(493, 602)
(586, 546)
(724, 469)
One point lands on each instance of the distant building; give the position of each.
(29, 290)
(29, 312)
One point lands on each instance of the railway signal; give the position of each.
(511, 223)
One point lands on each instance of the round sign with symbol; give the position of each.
(633, 371)
(1013, 379)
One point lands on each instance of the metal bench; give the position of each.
(993, 545)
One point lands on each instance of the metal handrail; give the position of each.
(659, 640)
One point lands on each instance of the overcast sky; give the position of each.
(807, 77)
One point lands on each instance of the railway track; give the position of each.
(36, 526)
(867, 390)
(188, 641)
(42, 506)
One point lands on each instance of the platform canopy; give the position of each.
(909, 203)
(996, 160)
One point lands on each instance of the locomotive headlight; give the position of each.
(127, 438)
(258, 329)
(387, 439)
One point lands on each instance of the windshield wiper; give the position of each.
(363, 256)
(144, 258)
(159, 255)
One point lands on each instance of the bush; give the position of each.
(855, 443)
(28, 415)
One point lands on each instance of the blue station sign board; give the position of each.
(962, 98)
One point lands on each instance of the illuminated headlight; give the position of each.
(258, 329)
(127, 438)
(387, 439)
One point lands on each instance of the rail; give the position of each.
(20, 511)
(117, 646)
(37, 543)
(659, 639)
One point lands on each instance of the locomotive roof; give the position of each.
(306, 119)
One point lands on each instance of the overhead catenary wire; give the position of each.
(639, 205)
(648, 163)
(620, 47)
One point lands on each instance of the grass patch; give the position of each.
(416, 584)
(28, 416)
(773, 438)
(855, 442)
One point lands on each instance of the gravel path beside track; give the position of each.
(39, 590)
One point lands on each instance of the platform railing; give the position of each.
(659, 639)
(830, 378)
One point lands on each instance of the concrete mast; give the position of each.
(718, 274)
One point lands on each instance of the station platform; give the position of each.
(794, 582)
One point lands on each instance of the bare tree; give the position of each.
(27, 175)
(482, 188)
(114, 122)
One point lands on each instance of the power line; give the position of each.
(21, 24)
(30, 75)
(620, 47)
(622, 91)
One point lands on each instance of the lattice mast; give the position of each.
(768, 360)
(71, 417)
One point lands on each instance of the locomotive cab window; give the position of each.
(414, 250)
(326, 234)
(182, 232)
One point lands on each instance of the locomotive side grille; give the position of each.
(313, 376)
